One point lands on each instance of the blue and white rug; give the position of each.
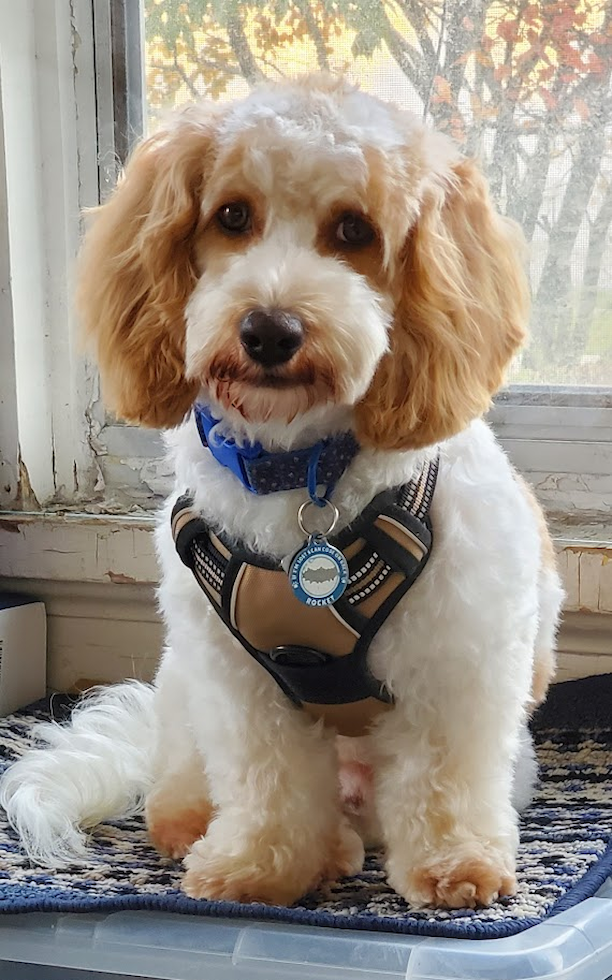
(565, 854)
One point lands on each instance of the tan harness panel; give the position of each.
(318, 655)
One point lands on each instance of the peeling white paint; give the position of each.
(82, 548)
(587, 574)
(71, 550)
(48, 161)
(9, 441)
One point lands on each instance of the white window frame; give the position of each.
(58, 155)
(560, 438)
(48, 174)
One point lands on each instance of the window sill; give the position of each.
(97, 576)
(119, 549)
(78, 548)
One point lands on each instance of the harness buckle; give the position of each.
(296, 656)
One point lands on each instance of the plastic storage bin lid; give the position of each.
(575, 945)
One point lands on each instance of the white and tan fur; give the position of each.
(407, 338)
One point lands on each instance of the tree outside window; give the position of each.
(525, 86)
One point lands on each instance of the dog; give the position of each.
(312, 292)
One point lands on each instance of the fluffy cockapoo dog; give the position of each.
(313, 292)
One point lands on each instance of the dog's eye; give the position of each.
(353, 229)
(234, 218)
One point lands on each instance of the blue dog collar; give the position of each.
(262, 472)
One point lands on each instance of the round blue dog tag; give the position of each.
(318, 573)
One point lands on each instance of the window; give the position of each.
(524, 85)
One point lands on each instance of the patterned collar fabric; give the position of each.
(263, 472)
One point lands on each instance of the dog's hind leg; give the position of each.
(550, 602)
(356, 781)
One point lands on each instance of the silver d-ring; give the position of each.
(335, 514)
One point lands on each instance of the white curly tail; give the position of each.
(95, 768)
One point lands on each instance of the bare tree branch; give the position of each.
(598, 239)
(240, 46)
(415, 15)
(186, 79)
(313, 29)
(441, 36)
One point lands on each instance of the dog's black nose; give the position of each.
(271, 337)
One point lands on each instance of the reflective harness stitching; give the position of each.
(318, 656)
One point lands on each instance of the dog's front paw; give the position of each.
(252, 872)
(464, 877)
(266, 866)
(173, 831)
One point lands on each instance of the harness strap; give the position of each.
(318, 656)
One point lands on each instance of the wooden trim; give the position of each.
(107, 631)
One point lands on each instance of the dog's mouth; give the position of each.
(228, 371)
(269, 379)
(265, 393)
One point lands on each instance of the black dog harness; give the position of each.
(318, 655)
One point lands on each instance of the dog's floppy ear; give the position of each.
(461, 315)
(136, 274)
